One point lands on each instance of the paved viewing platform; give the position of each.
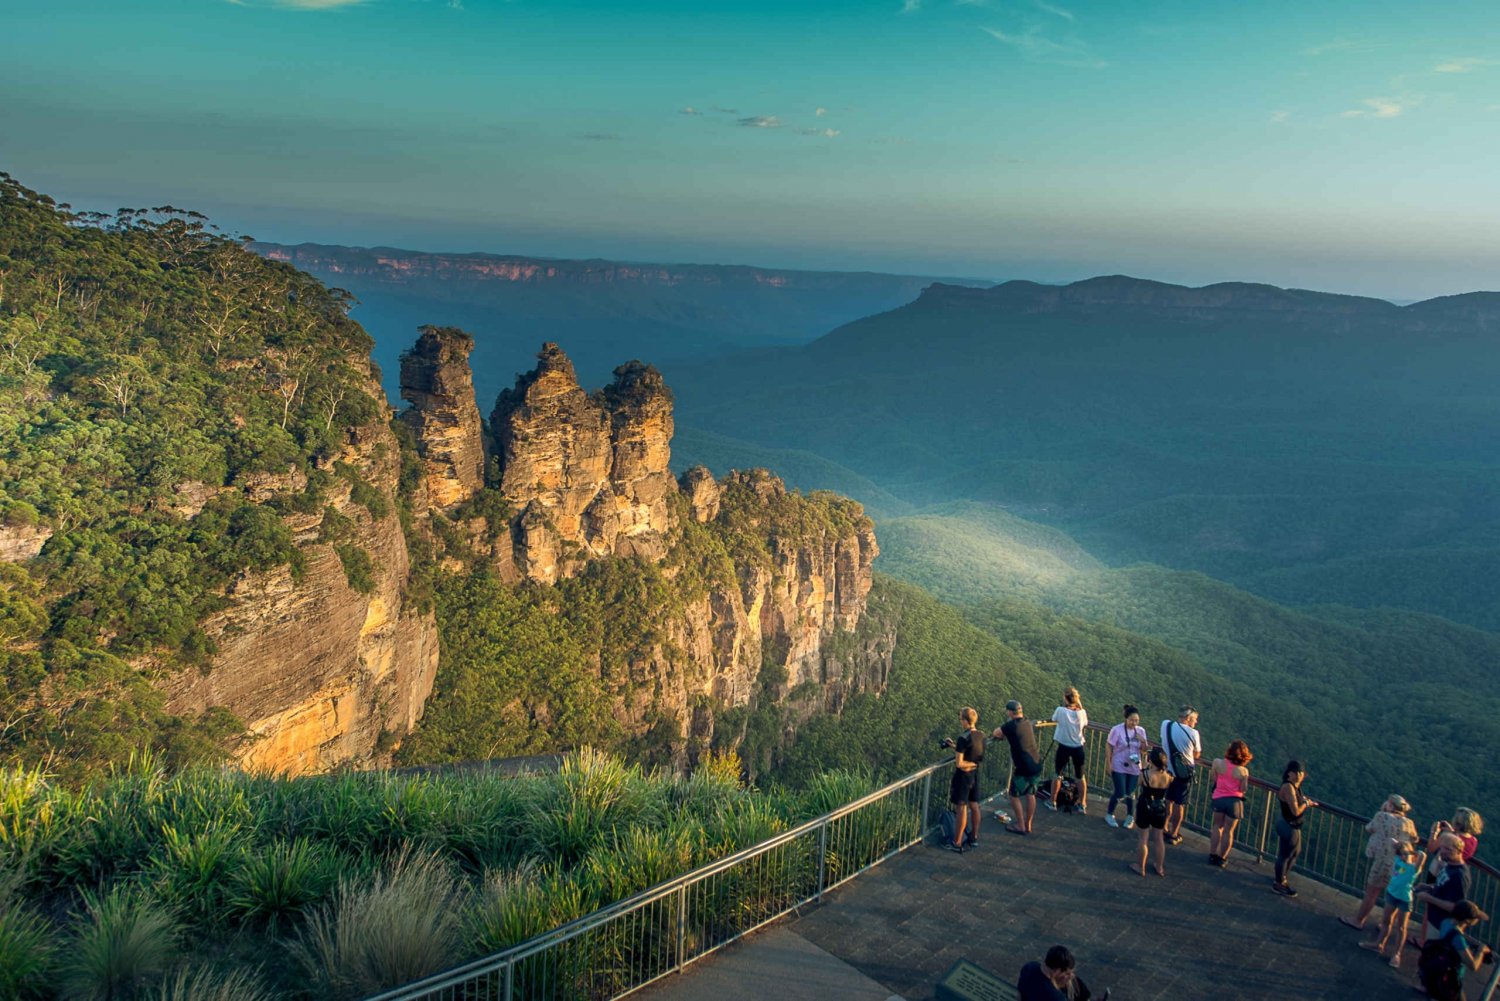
(1199, 933)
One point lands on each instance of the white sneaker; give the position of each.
(1129, 823)
(1109, 819)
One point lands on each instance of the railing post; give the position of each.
(926, 805)
(1265, 827)
(510, 971)
(681, 925)
(822, 859)
(1493, 987)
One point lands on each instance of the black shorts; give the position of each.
(1232, 806)
(1150, 817)
(964, 787)
(1177, 792)
(1066, 754)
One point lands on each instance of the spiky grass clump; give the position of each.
(125, 940)
(25, 942)
(281, 882)
(399, 927)
(207, 984)
(192, 872)
(521, 903)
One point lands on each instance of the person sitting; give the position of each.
(1049, 980)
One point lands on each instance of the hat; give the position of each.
(1012, 706)
(1398, 802)
(1467, 910)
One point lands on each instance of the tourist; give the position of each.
(1026, 766)
(1183, 746)
(1231, 782)
(1127, 745)
(1049, 980)
(1389, 827)
(963, 789)
(1468, 825)
(1151, 812)
(1294, 805)
(1071, 719)
(1454, 931)
(1406, 864)
(1451, 886)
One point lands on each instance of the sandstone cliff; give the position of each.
(322, 673)
(436, 381)
(768, 588)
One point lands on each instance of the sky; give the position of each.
(1350, 147)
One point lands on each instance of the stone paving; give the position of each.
(1199, 933)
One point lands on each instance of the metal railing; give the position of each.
(627, 945)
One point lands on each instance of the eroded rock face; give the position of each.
(702, 493)
(437, 382)
(19, 543)
(588, 473)
(322, 674)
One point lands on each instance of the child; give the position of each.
(1404, 869)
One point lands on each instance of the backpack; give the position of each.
(947, 826)
(975, 752)
(1067, 794)
(1437, 968)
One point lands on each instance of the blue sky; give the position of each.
(1334, 145)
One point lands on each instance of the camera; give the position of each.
(947, 742)
(1135, 759)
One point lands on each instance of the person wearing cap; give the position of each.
(1465, 915)
(1406, 863)
(1180, 739)
(1389, 827)
(1026, 766)
(1294, 804)
(1451, 887)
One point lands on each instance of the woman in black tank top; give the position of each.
(1151, 812)
(1294, 805)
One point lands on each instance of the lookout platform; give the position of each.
(1197, 934)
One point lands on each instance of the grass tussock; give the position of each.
(124, 941)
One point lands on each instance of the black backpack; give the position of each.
(1437, 968)
(976, 747)
(1067, 794)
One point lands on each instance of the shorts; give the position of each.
(1234, 806)
(1024, 785)
(1401, 906)
(1177, 792)
(1066, 754)
(1150, 819)
(964, 787)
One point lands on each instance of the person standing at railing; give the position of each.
(1026, 766)
(1231, 782)
(1390, 826)
(1406, 865)
(1071, 719)
(963, 790)
(1151, 812)
(1180, 739)
(1294, 806)
(1127, 745)
(1452, 885)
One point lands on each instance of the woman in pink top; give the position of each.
(1231, 780)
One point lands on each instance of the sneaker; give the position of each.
(971, 842)
(1175, 839)
(956, 849)
(1109, 819)
(1048, 804)
(1283, 889)
(1002, 816)
(1129, 823)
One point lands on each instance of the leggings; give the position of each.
(1287, 850)
(1124, 789)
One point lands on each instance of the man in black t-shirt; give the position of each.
(1026, 766)
(1048, 980)
(963, 790)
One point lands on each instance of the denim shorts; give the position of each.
(1404, 906)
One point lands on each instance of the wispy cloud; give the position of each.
(608, 137)
(1038, 48)
(690, 110)
(761, 122)
(825, 133)
(1066, 15)
(306, 4)
(1380, 107)
(1466, 64)
(724, 111)
(820, 112)
(1341, 45)
(1279, 116)
(910, 6)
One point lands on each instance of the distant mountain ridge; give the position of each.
(602, 309)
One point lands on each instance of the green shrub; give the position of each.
(521, 903)
(124, 941)
(359, 569)
(25, 942)
(399, 927)
(279, 883)
(192, 872)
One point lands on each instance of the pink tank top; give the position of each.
(1227, 784)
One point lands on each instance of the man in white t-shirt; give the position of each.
(1180, 737)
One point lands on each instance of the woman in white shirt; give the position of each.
(1071, 719)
